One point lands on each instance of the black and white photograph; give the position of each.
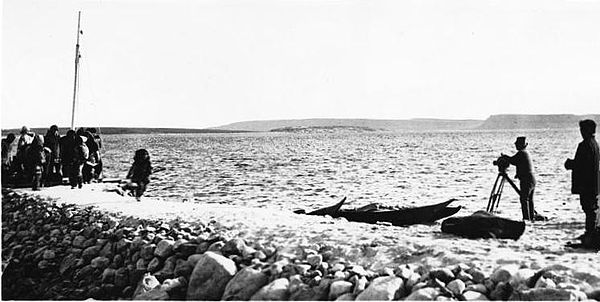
(301, 150)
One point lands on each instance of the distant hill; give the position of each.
(521, 121)
(389, 125)
(494, 122)
(125, 130)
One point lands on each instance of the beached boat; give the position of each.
(398, 217)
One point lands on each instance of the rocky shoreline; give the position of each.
(55, 252)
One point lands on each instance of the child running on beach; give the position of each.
(139, 173)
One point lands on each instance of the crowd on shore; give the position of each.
(41, 160)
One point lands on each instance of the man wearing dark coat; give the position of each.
(585, 178)
(522, 161)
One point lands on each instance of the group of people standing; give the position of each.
(585, 178)
(47, 159)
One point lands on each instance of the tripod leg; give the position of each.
(492, 200)
(499, 195)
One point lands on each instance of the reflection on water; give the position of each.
(288, 171)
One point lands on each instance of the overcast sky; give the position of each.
(208, 63)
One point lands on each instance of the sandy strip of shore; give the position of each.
(373, 246)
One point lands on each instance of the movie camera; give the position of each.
(502, 163)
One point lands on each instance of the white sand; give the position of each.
(373, 246)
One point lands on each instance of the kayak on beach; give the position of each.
(399, 217)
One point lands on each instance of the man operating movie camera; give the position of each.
(522, 161)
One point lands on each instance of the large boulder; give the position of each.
(210, 277)
(245, 284)
(423, 294)
(278, 290)
(549, 294)
(383, 288)
(338, 288)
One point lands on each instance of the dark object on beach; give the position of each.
(400, 217)
(482, 224)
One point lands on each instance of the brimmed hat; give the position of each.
(520, 141)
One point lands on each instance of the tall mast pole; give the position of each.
(76, 72)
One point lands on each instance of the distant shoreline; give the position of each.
(494, 122)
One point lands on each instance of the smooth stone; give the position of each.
(504, 273)
(108, 275)
(216, 247)
(244, 284)
(339, 275)
(210, 276)
(302, 292)
(413, 279)
(338, 267)
(141, 264)
(188, 249)
(121, 277)
(545, 283)
(78, 241)
(594, 294)
(168, 269)
(154, 265)
(182, 269)
(346, 297)
(470, 295)
(157, 294)
(521, 277)
(314, 260)
(296, 284)
(503, 291)
(164, 248)
(100, 262)
(302, 268)
(464, 276)
(193, 259)
(172, 284)
(443, 274)
(274, 291)
(480, 288)
(68, 263)
(383, 288)
(456, 286)
(107, 250)
(122, 244)
(359, 270)
(338, 288)
(90, 253)
(322, 289)
(234, 246)
(478, 275)
(147, 251)
(360, 285)
(423, 294)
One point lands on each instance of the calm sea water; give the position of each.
(290, 171)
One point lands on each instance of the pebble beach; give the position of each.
(189, 250)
